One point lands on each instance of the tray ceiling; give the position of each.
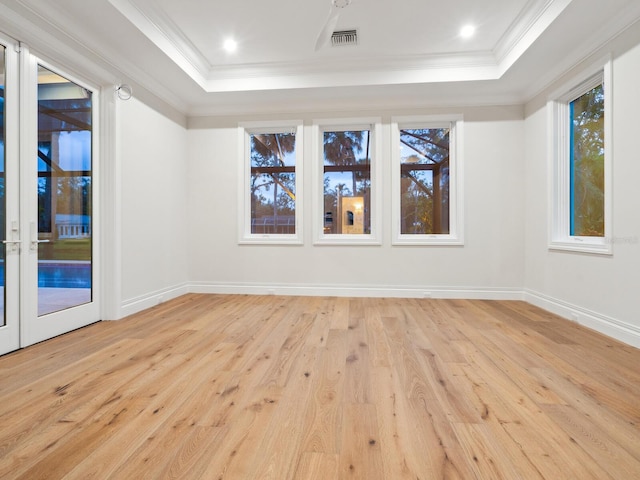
(406, 48)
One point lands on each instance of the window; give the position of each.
(346, 153)
(271, 182)
(580, 156)
(427, 164)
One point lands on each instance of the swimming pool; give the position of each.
(53, 274)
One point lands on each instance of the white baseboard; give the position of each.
(359, 291)
(609, 326)
(138, 304)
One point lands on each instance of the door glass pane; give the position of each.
(2, 201)
(64, 193)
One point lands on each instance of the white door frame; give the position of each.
(35, 328)
(23, 326)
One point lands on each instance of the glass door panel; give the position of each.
(10, 246)
(64, 217)
(3, 216)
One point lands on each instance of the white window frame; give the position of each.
(245, 130)
(374, 125)
(559, 156)
(456, 194)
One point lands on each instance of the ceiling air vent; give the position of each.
(344, 37)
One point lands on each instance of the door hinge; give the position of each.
(17, 47)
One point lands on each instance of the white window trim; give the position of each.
(456, 193)
(245, 130)
(373, 124)
(559, 168)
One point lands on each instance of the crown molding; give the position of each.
(389, 71)
(533, 20)
(604, 38)
(52, 36)
(156, 25)
(25, 25)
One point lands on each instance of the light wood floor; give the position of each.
(242, 387)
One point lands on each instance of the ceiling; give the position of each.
(409, 52)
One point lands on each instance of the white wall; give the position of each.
(179, 220)
(489, 265)
(599, 291)
(152, 150)
(190, 215)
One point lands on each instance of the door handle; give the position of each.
(13, 244)
(34, 243)
(34, 237)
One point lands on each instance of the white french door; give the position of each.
(9, 204)
(48, 147)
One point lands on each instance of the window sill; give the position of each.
(348, 240)
(267, 239)
(582, 246)
(428, 240)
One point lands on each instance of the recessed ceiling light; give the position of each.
(230, 45)
(467, 31)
